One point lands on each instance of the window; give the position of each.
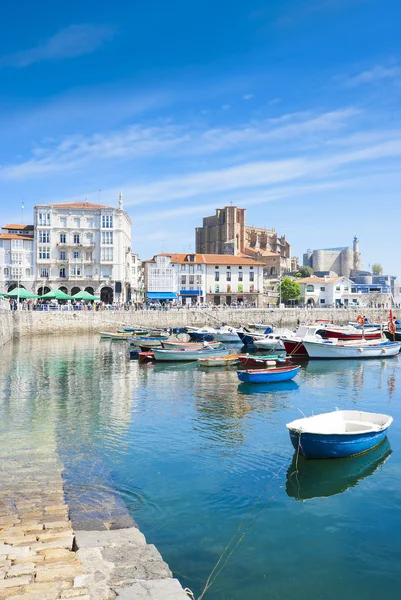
(240, 267)
(16, 273)
(16, 244)
(251, 268)
(43, 252)
(76, 238)
(75, 271)
(89, 257)
(216, 289)
(44, 237)
(322, 289)
(191, 279)
(107, 238)
(216, 276)
(90, 223)
(16, 259)
(252, 276)
(106, 254)
(338, 288)
(216, 267)
(63, 221)
(228, 267)
(28, 272)
(183, 279)
(89, 238)
(62, 256)
(44, 272)
(44, 218)
(107, 221)
(240, 276)
(76, 255)
(198, 279)
(62, 273)
(77, 222)
(6, 272)
(251, 288)
(228, 289)
(346, 289)
(63, 238)
(228, 276)
(310, 288)
(199, 267)
(191, 258)
(183, 267)
(322, 301)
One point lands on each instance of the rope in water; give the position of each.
(229, 548)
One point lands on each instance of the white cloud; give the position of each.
(140, 141)
(70, 42)
(376, 74)
(247, 97)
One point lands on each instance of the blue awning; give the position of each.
(161, 296)
(191, 293)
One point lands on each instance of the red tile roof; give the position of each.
(14, 236)
(319, 279)
(80, 205)
(210, 259)
(17, 226)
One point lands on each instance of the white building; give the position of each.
(83, 246)
(17, 258)
(196, 278)
(137, 279)
(340, 291)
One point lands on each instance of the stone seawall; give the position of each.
(6, 326)
(26, 323)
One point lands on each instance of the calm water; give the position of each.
(191, 453)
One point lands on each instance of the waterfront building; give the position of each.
(17, 257)
(334, 261)
(198, 278)
(342, 291)
(226, 232)
(83, 246)
(137, 279)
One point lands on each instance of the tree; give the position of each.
(306, 271)
(377, 269)
(289, 290)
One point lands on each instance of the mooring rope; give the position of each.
(229, 548)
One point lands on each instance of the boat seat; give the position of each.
(358, 426)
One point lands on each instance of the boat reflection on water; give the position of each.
(322, 478)
(249, 389)
(174, 366)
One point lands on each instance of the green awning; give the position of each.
(84, 296)
(56, 295)
(20, 293)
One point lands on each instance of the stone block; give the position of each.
(27, 568)
(53, 553)
(75, 593)
(58, 525)
(49, 536)
(102, 539)
(162, 589)
(52, 573)
(10, 592)
(65, 542)
(15, 582)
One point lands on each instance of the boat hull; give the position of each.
(314, 445)
(390, 336)
(268, 375)
(261, 362)
(334, 351)
(222, 361)
(343, 335)
(226, 337)
(187, 355)
(269, 344)
(295, 348)
(115, 336)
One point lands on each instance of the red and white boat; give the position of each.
(317, 333)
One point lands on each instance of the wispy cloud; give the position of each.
(69, 42)
(139, 141)
(376, 74)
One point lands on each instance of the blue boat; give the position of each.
(248, 338)
(268, 375)
(338, 434)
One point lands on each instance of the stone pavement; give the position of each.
(36, 536)
(41, 558)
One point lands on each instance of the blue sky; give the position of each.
(290, 108)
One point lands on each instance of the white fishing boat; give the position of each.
(356, 349)
(226, 334)
(188, 354)
(272, 341)
(146, 342)
(176, 345)
(219, 361)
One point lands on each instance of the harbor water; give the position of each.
(199, 460)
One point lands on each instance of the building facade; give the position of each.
(340, 261)
(137, 279)
(83, 246)
(341, 291)
(204, 278)
(226, 232)
(17, 258)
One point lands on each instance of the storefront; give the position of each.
(191, 296)
(162, 297)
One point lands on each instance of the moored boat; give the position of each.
(331, 350)
(165, 354)
(219, 361)
(115, 335)
(268, 375)
(146, 356)
(147, 342)
(252, 361)
(272, 341)
(191, 345)
(338, 434)
(227, 335)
